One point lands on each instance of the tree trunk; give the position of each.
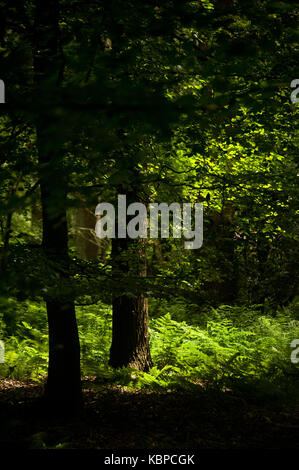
(63, 388)
(130, 337)
(87, 244)
(130, 343)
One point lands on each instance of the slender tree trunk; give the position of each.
(63, 388)
(263, 249)
(7, 230)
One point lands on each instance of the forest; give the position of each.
(149, 224)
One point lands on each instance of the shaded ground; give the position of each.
(114, 418)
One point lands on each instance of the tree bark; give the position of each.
(87, 245)
(130, 336)
(63, 388)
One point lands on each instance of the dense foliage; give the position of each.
(225, 348)
(169, 102)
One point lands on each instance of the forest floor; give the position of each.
(117, 418)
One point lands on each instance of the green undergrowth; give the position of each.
(228, 348)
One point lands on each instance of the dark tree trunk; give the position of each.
(130, 345)
(130, 336)
(7, 230)
(63, 388)
(263, 249)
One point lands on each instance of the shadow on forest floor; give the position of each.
(114, 418)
